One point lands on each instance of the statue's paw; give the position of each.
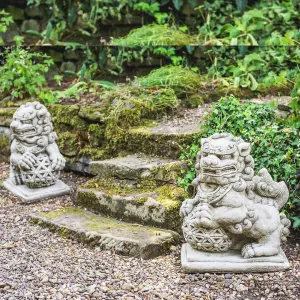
(58, 162)
(27, 161)
(186, 208)
(248, 251)
(16, 179)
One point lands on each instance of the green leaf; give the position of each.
(177, 4)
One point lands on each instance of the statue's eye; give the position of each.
(225, 156)
(204, 154)
(26, 122)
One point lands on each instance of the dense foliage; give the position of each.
(275, 145)
(23, 73)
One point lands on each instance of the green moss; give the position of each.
(166, 145)
(4, 145)
(95, 154)
(68, 143)
(6, 115)
(182, 80)
(154, 35)
(65, 117)
(94, 114)
(96, 135)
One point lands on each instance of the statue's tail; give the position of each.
(285, 229)
(266, 187)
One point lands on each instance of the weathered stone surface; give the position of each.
(161, 140)
(67, 66)
(155, 207)
(35, 11)
(82, 165)
(194, 261)
(233, 209)
(139, 167)
(29, 195)
(30, 25)
(108, 234)
(16, 13)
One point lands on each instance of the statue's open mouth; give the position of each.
(25, 131)
(227, 170)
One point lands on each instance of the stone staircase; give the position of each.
(131, 205)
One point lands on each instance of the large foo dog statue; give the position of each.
(35, 159)
(233, 209)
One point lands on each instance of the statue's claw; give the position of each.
(27, 161)
(186, 208)
(248, 251)
(58, 162)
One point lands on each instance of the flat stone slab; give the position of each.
(107, 233)
(135, 167)
(147, 208)
(175, 129)
(29, 195)
(194, 261)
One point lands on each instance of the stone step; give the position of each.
(153, 206)
(139, 168)
(161, 140)
(107, 233)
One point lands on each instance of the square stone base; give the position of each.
(29, 195)
(194, 261)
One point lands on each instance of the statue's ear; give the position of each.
(203, 141)
(41, 114)
(244, 148)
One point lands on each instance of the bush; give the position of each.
(274, 146)
(23, 73)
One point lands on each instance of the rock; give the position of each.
(30, 25)
(35, 11)
(72, 55)
(228, 276)
(8, 36)
(16, 13)
(155, 206)
(68, 66)
(139, 167)
(109, 234)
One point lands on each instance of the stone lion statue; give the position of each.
(35, 158)
(233, 208)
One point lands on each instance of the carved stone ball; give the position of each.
(41, 175)
(209, 240)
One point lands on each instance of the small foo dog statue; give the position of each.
(35, 159)
(233, 210)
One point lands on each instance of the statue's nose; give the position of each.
(14, 125)
(210, 161)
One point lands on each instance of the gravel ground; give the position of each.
(38, 264)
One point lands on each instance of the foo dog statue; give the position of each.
(233, 209)
(35, 159)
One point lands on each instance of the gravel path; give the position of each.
(38, 264)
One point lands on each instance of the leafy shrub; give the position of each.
(274, 146)
(5, 20)
(23, 73)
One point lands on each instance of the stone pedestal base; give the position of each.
(34, 195)
(194, 261)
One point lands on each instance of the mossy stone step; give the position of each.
(139, 168)
(107, 233)
(155, 207)
(161, 140)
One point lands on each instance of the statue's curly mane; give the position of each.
(41, 121)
